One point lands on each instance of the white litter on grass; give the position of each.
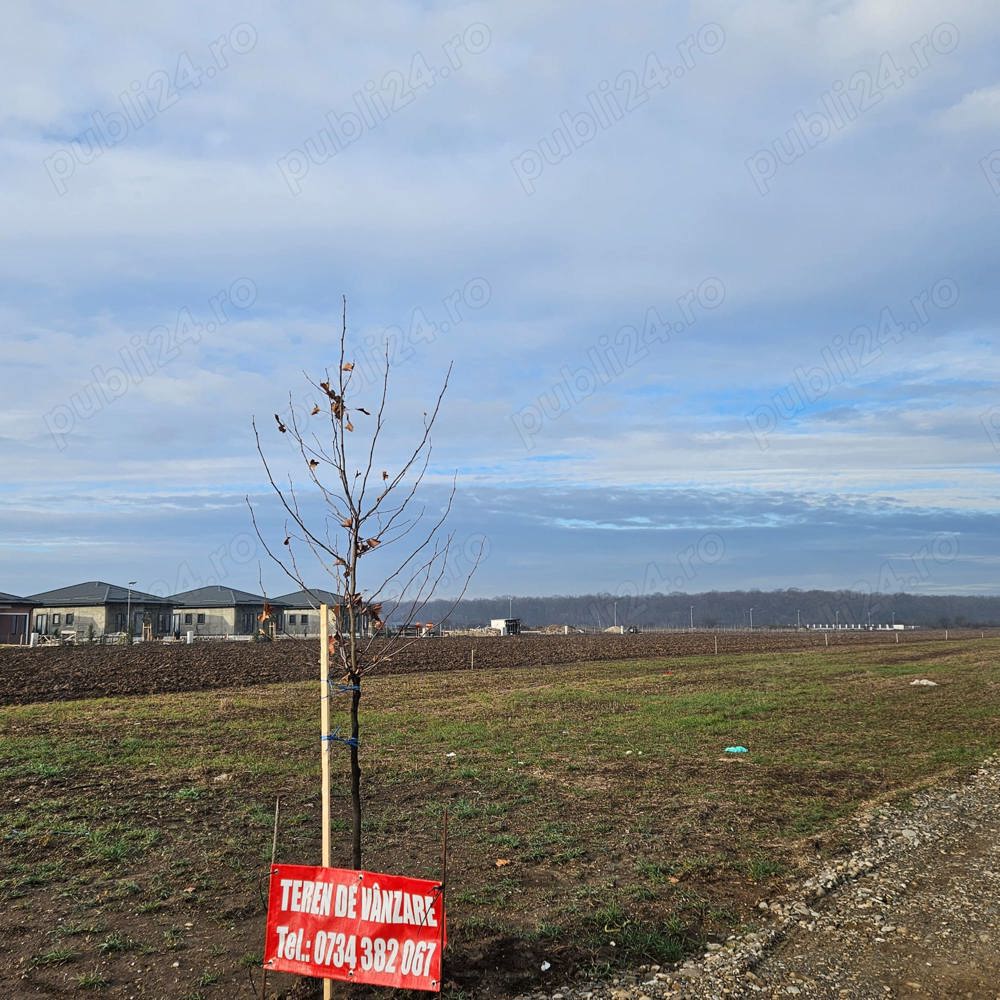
(923, 683)
(452, 754)
(546, 966)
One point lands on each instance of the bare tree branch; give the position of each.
(358, 520)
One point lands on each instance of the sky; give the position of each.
(718, 280)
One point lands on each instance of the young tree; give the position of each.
(368, 505)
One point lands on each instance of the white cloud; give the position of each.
(428, 199)
(978, 110)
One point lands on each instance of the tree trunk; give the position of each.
(355, 777)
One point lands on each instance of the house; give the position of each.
(218, 611)
(15, 619)
(300, 611)
(96, 609)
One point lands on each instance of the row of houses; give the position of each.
(96, 609)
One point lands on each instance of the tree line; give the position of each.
(725, 609)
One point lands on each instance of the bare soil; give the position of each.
(64, 672)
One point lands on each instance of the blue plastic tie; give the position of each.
(335, 737)
(343, 688)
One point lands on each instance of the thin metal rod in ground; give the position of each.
(274, 857)
(444, 879)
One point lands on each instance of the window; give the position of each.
(305, 622)
(188, 619)
(70, 617)
(55, 619)
(201, 618)
(291, 619)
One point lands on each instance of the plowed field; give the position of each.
(65, 672)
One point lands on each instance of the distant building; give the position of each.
(506, 626)
(218, 611)
(15, 619)
(300, 611)
(102, 609)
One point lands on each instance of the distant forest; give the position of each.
(727, 609)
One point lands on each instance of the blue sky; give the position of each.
(718, 280)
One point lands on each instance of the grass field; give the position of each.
(594, 819)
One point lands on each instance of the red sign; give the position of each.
(361, 927)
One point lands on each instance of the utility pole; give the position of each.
(616, 614)
(692, 618)
(838, 620)
(128, 609)
(751, 619)
(798, 619)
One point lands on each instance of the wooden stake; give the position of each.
(324, 725)
(716, 645)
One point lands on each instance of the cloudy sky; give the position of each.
(719, 280)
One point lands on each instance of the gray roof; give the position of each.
(11, 599)
(311, 598)
(92, 593)
(216, 597)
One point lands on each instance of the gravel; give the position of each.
(913, 911)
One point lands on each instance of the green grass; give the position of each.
(117, 942)
(602, 786)
(57, 956)
(91, 981)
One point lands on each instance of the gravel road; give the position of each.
(913, 912)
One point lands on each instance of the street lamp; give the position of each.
(798, 619)
(692, 618)
(838, 620)
(128, 609)
(751, 619)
